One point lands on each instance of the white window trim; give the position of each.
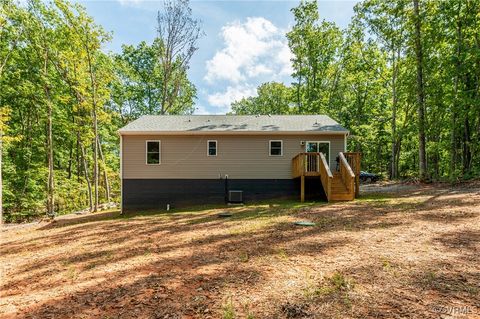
(329, 149)
(270, 148)
(159, 152)
(216, 148)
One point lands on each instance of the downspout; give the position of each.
(121, 174)
(345, 142)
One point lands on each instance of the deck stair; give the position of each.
(339, 189)
(342, 185)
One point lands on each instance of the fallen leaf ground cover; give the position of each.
(409, 254)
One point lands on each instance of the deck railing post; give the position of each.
(302, 188)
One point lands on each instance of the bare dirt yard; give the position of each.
(414, 253)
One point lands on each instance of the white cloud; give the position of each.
(252, 48)
(254, 51)
(222, 100)
(284, 58)
(129, 2)
(259, 69)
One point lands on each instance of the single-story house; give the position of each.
(181, 160)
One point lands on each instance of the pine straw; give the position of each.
(414, 254)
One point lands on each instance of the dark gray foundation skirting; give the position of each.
(148, 194)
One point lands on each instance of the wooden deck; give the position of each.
(341, 185)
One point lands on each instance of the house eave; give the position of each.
(340, 133)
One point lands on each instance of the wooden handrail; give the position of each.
(306, 162)
(313, 164)
(346, 173)
(325, 165)
(297, 165)
(326, 176)
(354, 159)
(345, 164)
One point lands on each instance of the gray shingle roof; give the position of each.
(150, 124)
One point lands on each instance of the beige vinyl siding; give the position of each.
(238, 156)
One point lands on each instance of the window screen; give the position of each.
(276, 148)
(153, 152)
(212, 148)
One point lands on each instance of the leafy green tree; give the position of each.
(362, 76)
(62, 100)
(140, 77)
(179, 33)
(56, 79)
(386, 20)
(360, 103)
(272, 98)
(10, 34)
(315, 45)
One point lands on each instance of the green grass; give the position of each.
(228, 310)
(244, 257)
(72, 273)
(254, 211)
(386, 264)
(375, 197)
(336, 285)
(198, 214)
(282, 254)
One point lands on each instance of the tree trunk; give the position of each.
(95, 157)
(453, 148)
(70, 161)
(77, 153)
(467, 154)
(455, 107)
(95, 125)
(105, 175)
(50, 185)
(1, 181)
(397, 155)
(50, 199)
(87, 179)
(393, 173)
(420, 94)
(166, 78)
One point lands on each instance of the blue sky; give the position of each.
(244, 45)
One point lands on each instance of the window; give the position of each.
(153, 152)
(212, 148)
(276, 148)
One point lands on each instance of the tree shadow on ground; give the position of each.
(229, 269)
(70, 220)
(186, 264)
(215, 250)
(136, 234)
(383, 290)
